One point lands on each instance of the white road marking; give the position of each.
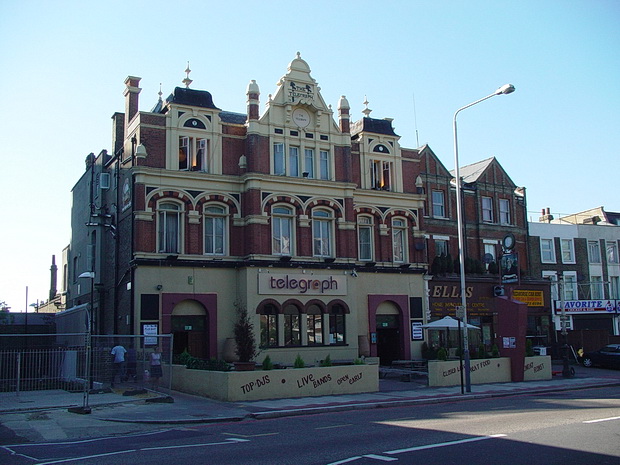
(84, 457)
(380, 457)
(350, 459)
(602, 419)
(444, 444)
(413, 449)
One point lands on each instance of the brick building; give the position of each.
(322, 227)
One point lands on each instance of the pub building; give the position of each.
(321, 227)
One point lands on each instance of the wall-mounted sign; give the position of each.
(300, 93)
(586, 306)
(150, 330)
(509, 268)
(301, 284)
(530, 298)
(417, 334)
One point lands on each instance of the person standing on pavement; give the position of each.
(155, 367)
(118, 352)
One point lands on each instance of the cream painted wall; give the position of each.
(232, 285)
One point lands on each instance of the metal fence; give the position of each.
(79, 363)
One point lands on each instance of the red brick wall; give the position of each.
(257, 153)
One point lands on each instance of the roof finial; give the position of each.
(160, 92)
(366, 110)
(187, 81)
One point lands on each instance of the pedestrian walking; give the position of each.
(118, 352)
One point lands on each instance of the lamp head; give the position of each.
(505, 89)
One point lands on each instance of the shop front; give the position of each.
(484, 299)
(580, 315)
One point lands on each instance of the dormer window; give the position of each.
(194, 154)
(380, 174)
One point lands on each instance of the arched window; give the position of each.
(269, 326)
(337, 334)
(282, 230)
(169, 228)
(215, 230)
(315, 325)
(399, 240)
(365, 238)
(292, 330)
(322, 233)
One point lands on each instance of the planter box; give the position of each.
(276, 384)
(482, 371)
(537, 368)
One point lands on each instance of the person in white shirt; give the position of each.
(118, 351)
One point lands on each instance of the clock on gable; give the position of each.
(301, 117)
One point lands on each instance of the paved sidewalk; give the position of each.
(113, 408)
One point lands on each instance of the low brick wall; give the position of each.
(488, 370)
(236, 386)
(537, 368)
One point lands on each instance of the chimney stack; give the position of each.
(343, 115)
(131, 93)
(546, 216)
(53, 278)
(253, 93)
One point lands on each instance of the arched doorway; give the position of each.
(189, 325)
(388, 324)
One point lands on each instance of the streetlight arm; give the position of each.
(505, 89)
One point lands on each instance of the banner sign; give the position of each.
(577, 307)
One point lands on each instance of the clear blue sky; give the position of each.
(63, 63)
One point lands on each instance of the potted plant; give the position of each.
(245, 341)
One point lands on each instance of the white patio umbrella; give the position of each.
(447, 322)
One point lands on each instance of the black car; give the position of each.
(608, 356)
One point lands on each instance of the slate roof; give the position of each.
(471, 173)
(195, 98)
(233, 118)
(377, 126)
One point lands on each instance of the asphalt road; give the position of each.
(571, 427)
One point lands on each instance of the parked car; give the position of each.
(608, 356)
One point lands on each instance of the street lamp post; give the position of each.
(505, 89)
(85, 409)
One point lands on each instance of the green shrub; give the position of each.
(529, 351)
(482, 352)
(327, 362)
(267, 364)
(442, 354)
(495, 351)
(213, 364)
(428, 353)
(299, 362)
(359, 361)
(184, 357)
